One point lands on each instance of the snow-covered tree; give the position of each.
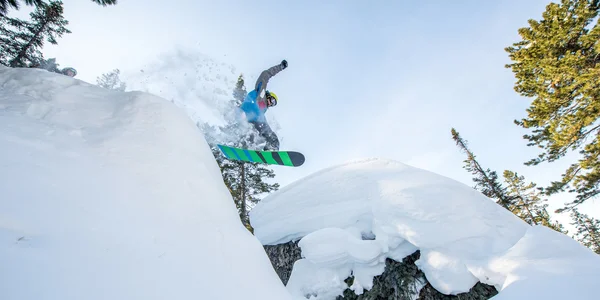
(22, 41)
(246, 181)
(111, 81)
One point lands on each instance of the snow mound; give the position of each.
(112, 195)
(350, 218)
(546, 262)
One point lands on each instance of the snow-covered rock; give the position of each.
(350, 218)
(112, 195)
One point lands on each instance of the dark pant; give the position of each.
(267, 133)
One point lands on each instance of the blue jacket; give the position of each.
(255, 105)
(253, 108)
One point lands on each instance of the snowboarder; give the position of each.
(257, 102)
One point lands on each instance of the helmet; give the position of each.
(69, 69)
(271, 98)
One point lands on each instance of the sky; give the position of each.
(365, 79)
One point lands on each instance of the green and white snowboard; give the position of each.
(281, 158)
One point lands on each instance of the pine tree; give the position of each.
(528, 202)
(105, 2)
(5, 32)
(525, 196)
(557, 64)
(486, 181)
(111, 81)
(546, 220)
(523, 200)
(9, 29)
(588, 230)
(4, 4)
(239, 92)
(246, 181)
(22, 47)
(49, 65)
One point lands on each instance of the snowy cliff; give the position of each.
(349, 219)
(112, 195)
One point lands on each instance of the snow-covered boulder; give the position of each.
(112, 195)
(349, 219)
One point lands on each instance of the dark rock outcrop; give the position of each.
(282, 258)
(480, 291)
(399, 281)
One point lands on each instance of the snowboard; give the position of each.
(281, 158)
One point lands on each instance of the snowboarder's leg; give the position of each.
(266, 132)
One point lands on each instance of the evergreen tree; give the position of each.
(246, 181)
(546, 220)
(588, 230)
(486, 181)
(524, 194)
(105, 2)
(239, 92)
(557, 64)
(5, 4)
(49, 65)
(5, 32)
(22, 47)
(111, 81)
(9, 29)
(523, 200)
(528, 203)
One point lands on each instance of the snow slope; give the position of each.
(349, 218)
(111, 195)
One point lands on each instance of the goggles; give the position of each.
(271, 101)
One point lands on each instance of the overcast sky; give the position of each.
(365, 79)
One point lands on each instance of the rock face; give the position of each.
(282, 258)
(479, 292)
(400, 280)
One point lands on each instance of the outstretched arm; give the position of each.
(263, 79)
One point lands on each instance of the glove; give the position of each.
(284, 63)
